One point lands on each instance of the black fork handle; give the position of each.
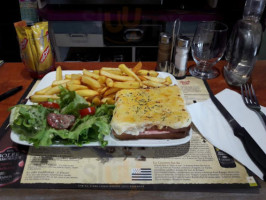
(263, 117)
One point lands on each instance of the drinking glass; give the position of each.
(207, 48)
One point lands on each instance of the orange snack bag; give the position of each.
(43, 46)
(25, 49)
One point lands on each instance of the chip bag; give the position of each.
(35, 47)
(31, 45)
(43, 45)
(25, 49)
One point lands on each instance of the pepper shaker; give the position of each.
(182, 47)
(164, 52)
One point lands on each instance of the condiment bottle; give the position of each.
(164, 52)
(182, 47)
(244, 43)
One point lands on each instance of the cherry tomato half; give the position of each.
(87, 111)
(48, 104)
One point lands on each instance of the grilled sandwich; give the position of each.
(157, 113)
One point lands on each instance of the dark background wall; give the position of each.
(10, 13)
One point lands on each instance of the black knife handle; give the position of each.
(256, 154)
(10, 93)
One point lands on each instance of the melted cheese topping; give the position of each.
(138, 109)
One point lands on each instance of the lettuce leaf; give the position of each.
(70, 102)
(28, 119)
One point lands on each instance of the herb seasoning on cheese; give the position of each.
(139, 109)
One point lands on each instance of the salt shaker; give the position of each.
(181, 56)
(164, 52)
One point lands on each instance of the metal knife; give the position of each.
(256, 154)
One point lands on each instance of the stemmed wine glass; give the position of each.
(207, 48)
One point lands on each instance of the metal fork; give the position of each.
(251, 101)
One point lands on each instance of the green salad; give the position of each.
(70, 120)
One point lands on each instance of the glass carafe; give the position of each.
(244, 43)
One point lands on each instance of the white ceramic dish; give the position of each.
(50, 77)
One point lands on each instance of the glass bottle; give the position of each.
(244, 43)
(29, 11)
(164, 52)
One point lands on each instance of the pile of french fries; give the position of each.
(100, 86)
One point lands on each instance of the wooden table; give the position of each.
(15, 74)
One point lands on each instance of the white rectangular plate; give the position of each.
(50, 77)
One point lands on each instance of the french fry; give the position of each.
(77, 82)
(40, 98)
(127, 84)
(55, 83)
(166, 83)
(96, 100)
(102, 90)
(102, 80)
(87, 93)
(142, 78)
(108, 100)
(110, 91)
(110, 69)
(111, 96)
(90, 74)
(43, 90)
(76, 76)
(68, 76)
(116, 77)
(109, 82)
(54, 90)
(116, 72)
(103, 100)
(58, 75)
(94, 84)
(143, 72)
(155, 79)
(144, 86)
(153, 73)
(137, 67)
(127, 71)
(152, 83)
(74, 87)
(168, 80)
(96, 72)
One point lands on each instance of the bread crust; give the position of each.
(166, 133)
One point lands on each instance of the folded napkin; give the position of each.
(213, 126)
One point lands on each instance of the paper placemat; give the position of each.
(194, 165)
